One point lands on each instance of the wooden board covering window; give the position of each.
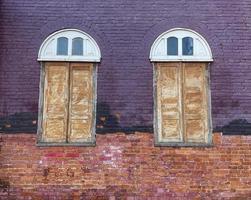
(182, 102)
(81, 103)
(68, 102)
(195, 102)
(55, 102)
(169, 102)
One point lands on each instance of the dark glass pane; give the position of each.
(187, 46)
(62, 46)
(172, 46)
(77, 46)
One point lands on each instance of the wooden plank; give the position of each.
(81, 102)
(55, 102)
(169, 108)
(195, 102)
(41, 103)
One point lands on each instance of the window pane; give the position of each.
(172, 46)
(77, 46)
(62, 46)
(187, 46)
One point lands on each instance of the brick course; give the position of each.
(125, 166)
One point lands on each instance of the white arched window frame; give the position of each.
(177, 79)
(77, 69)
(201, 49)
(48, 49)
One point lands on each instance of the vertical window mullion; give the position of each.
(70, 47)
(179, 47)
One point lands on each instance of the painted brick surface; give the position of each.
(125, 31)
(125, 166)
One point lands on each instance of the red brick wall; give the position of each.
(123, 166)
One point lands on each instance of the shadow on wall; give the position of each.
(106, 122)
(235, 127)
(109, 123)
(25, 122)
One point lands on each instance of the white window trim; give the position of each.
(48, 49)
(202, 50)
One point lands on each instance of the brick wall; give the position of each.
(123, 166)
(124, 31)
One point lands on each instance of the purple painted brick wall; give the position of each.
(125, 30)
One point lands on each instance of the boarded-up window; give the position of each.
(68, 106)
(182, 103)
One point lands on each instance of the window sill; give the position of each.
(78, 144)
(178, 144)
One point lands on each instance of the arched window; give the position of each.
(183, 45)
(182, 100)
(69, 45)
(67, 103)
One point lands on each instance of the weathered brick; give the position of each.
(125, 168)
